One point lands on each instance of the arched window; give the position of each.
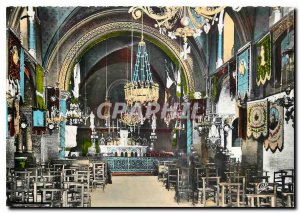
(228, 35)
(236, 141)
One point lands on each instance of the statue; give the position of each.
(153, 125)
(76, 80)
(92, 121)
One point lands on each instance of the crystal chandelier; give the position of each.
(131, 119)
(141, 88)
(193, 20)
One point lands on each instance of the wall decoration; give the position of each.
(52, 103)
(38, 118)
(22, 74)
(40, 103)
(275, 139)
(287, 57)
(257, 119)
(70, 136)
(243, 71)
(14, 57)
(263, 52)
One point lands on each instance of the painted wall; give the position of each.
(51, 18)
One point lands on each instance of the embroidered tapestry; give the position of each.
(243, 70)
(40, 103)
(257, 119)
(14, 57)
(38, 118)
(70, 136)
(263, 53)
(275, 139)
(52, 102)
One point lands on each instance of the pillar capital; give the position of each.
(64, 94)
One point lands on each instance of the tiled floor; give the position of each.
(135, 191)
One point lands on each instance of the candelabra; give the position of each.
(289, 104)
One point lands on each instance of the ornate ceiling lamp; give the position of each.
(141, 88)
(193, 20)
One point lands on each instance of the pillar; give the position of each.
(28, 139)
(31, 32)
(189, 136)
(220, 40)
(27, 112)
(63, 111)
(20, 142)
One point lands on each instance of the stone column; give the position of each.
(28, 139)
(32, 33)
(63, 111)
(27, 111)
(20, 142)
(189, 132)
(220, 40)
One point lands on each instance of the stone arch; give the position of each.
(116, 83)
(242, 24)
(105, 31)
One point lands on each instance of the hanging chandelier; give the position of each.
(181, 21)
(131, 119)
(141, 88)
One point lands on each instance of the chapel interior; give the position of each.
(150, 107)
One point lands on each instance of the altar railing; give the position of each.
(135, 164)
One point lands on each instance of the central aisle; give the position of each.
(135, 191)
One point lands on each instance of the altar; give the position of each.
(123, 151)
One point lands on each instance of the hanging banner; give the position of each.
(70, 136)
(263, 56)
(14, 57)
(13, 75)
(52, 102)
(22, 77)
(39, 79)
(275, 139)
(38, 118)
(243, 71)
(178, 87)
(257, 119)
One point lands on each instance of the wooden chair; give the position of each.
(233, 189)
(264, 195)
(74, 194)
(277, 177)
(99, 175)
(184, 185)
(53, 196)
(84, 178)
(172, 178)
(288, 199)
(198, 182)
(210, 188)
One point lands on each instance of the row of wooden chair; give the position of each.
(203, 186)
(57, 185)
